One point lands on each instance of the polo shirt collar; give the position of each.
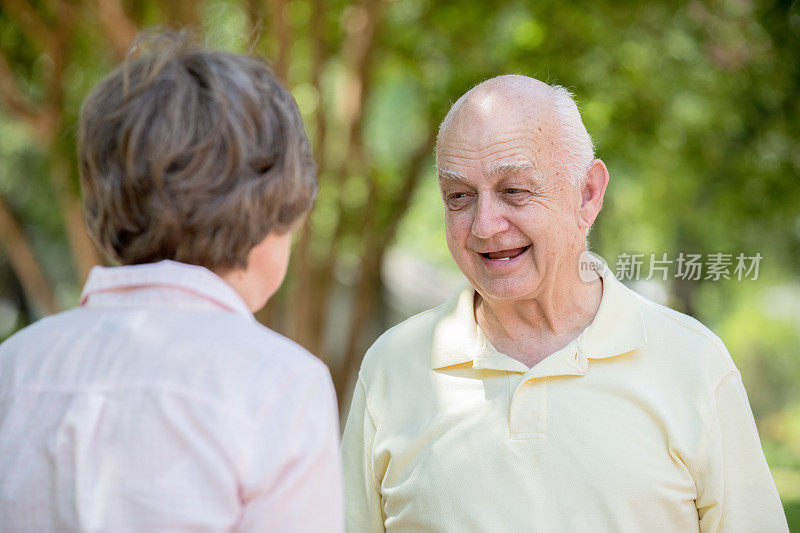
(457, 338)
(617, 328)
(195, 280)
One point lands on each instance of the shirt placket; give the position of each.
(527, 412)
(527, 416)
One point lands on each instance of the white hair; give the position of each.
(574, 152)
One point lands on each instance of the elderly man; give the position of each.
(537, 398)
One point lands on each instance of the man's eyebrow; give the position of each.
(513, 167)
(524, 169)
(446, 173)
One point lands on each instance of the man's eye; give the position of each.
(516, 191)
(457, 200)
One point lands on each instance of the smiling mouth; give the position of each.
(505, 255)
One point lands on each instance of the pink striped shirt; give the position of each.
(160, 404)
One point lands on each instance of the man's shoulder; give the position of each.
(407, 343)
(684, 336)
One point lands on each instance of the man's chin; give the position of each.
(505, 290)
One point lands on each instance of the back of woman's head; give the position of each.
(192, 155)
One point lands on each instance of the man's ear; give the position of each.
(592, 193)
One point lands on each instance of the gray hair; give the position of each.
(575, 150)
(191, 154)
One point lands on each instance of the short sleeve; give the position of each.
(364, 513)
(735, 490)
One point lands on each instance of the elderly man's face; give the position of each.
(511, 218)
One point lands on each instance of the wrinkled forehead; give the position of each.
(494, 129)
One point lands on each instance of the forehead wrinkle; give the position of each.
(524, 136)
(492, 160)
(479, 146)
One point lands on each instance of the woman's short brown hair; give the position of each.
(192, 155)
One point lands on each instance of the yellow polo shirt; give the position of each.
(640, 424)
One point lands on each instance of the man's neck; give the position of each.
(530, 330)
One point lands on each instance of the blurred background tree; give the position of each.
(693, 106)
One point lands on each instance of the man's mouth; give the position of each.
(505, 255)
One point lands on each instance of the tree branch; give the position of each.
(117, 25)
(61, 35)
(255, 20)
(23, 261)
(31, 23)
(183, 13)
(402, 200)
(320, 57)
(14, 99)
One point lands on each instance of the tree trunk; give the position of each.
(366, 298)
(84, 253)
(280, 26)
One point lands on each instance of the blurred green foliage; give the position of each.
(694, 106)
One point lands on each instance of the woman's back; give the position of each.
(162, 405)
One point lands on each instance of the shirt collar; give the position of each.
(195, 280)
(617, 328)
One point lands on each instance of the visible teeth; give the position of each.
(503, 259)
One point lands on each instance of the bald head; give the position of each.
(543, 108)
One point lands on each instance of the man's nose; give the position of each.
(489, 218)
